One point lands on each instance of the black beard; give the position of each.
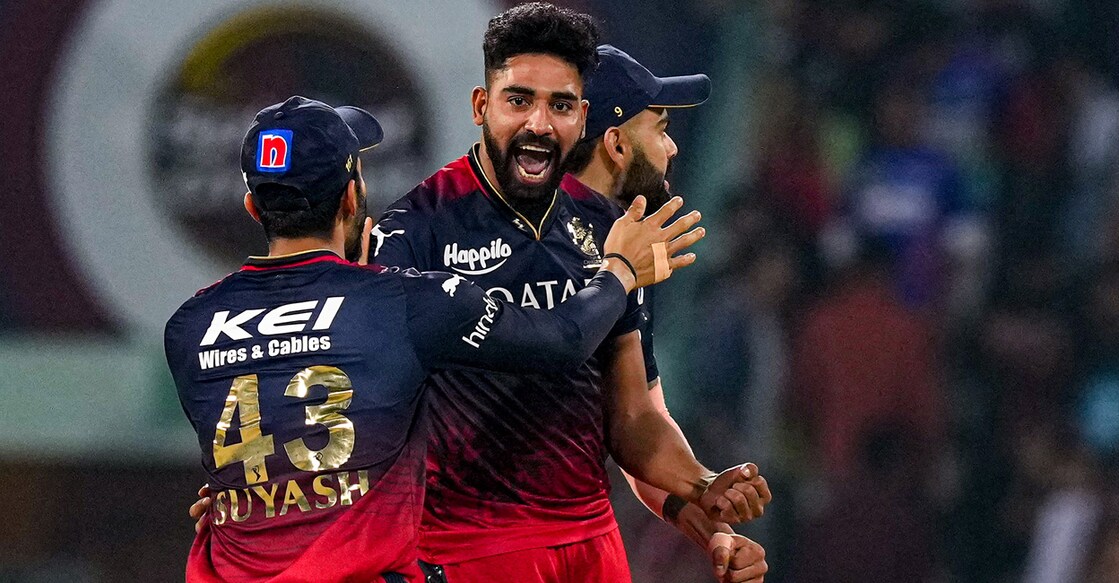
(519, 195)
(353, 233)
(642, 178)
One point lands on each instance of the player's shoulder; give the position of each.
(204, 296)
(412, 278)
(181, 318)
(452, 182)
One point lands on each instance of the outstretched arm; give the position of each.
(453, 323)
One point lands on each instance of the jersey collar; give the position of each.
(259, 263)
(577, 190)
(494, 195)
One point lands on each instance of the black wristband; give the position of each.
(671, 508)
(623, 260)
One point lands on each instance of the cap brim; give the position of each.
(683, 91)
(363, 124)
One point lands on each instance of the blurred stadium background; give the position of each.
(907, 311)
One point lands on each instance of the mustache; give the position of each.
(530, 139)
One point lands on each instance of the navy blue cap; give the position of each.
(307, 145)
(621, 88)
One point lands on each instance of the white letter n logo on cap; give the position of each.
(273, 151)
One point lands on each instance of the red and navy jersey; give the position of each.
(303, 378)
(516, 460)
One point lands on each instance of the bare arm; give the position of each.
(651, 448)
(687, 517)
(643, 442)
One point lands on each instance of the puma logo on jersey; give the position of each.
(285, 319)
(451, 285)
(380, 236)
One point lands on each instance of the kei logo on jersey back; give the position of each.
(583, 237)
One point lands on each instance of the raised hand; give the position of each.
(649, 248)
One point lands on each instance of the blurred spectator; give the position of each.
(748, 319)
(846, 50)
(1094, 163)
(1032, 135)
(906, 194)
(863, 361)
(793, 177)
(866, 394)
(791, 172)
(1013, 380)
(1067, 515)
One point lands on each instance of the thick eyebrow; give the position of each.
(522, 90)
(519, 90)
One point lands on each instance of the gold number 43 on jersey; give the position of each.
(244, 398)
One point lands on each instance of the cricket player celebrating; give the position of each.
(302, 374)
(627, 153)
(517, 484)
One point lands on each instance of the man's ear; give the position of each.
(250, 207)
(586, 107)
(479, 98)
(617, 146)
(348, 207)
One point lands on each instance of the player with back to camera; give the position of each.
(303, 374)
(627, 152)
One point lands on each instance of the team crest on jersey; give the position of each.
(273, 151)
(583, 237)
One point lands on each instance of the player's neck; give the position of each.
(289, 246)
(598, 177)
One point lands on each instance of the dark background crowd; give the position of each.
(914, 326)
(907, 312)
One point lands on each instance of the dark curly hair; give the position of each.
(539, 27)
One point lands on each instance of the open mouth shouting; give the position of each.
(534, 163)
(528, 168)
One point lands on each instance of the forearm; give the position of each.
(652, 497)
(585, 320)
(643, 439)
(510, 338)
(650, 449)
(692, 522)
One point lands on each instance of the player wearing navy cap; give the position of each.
(517, 484)
(302, 374)
(627, 152)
